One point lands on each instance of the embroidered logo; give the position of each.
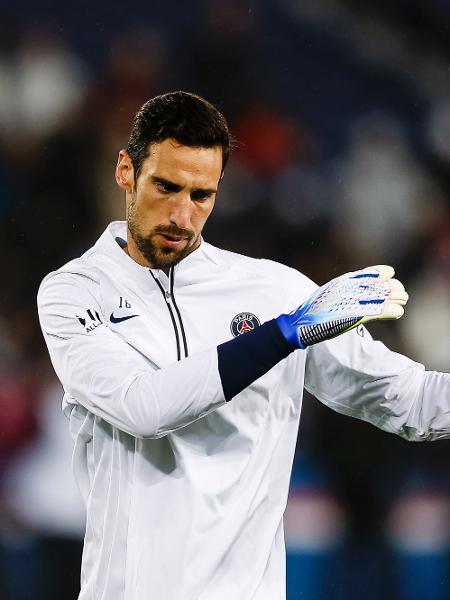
(243, 323)
(92, 322)
(114, 319)
(123, 303)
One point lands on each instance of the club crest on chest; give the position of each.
(243, 323)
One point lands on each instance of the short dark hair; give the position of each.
(185, 117)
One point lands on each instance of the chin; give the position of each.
(165, 260)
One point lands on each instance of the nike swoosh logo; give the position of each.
(114, 319)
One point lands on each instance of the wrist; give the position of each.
(289, 331)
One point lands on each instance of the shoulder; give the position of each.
(79, 276)
(261, 268)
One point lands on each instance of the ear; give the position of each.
(125, 171)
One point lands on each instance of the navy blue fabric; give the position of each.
(247, 357)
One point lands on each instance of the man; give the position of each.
(184, 427)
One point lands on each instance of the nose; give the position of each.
(181, 210)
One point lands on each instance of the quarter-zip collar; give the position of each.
(112, 241)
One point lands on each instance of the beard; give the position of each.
(159, 256)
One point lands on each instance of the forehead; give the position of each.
(172, 161)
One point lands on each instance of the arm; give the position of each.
(360, 377)
(114, 381)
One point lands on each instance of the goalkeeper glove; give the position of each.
(344, 303)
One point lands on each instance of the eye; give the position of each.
(200, 196)
(164, 188)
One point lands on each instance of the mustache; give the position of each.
(173, 230)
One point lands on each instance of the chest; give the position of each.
(166, 323)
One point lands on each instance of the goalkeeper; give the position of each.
(183, 367)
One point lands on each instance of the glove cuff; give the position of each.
(290, 332)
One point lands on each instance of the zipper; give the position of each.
(169, 299)
(183, 334)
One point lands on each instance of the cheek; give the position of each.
(147, 210)
(202, 214)
(199, 219)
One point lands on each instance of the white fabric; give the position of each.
(185, 493)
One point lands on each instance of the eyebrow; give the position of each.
(170, 184)
(176, 187)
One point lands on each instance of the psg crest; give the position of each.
(243, 323)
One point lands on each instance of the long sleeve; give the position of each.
(360, 377)
(113, 380)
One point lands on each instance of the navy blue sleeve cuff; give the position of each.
(247, 357)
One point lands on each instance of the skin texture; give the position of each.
(169, 204)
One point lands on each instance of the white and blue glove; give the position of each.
(344, 303)
(336, 307)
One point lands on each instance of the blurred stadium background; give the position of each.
(341, 110)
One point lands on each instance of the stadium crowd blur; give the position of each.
(341, 114)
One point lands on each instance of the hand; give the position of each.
(344, 303)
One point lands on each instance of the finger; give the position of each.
(398, 293)
(392, 310)
(386, 272)
(400, 298)
(396, 285)
(367, 272)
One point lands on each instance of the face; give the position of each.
(170, 202)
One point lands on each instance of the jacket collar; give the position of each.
(113, 240)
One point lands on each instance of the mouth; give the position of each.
(173, 241)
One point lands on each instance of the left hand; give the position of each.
(342, 304)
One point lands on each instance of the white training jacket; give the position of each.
(184, 492)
